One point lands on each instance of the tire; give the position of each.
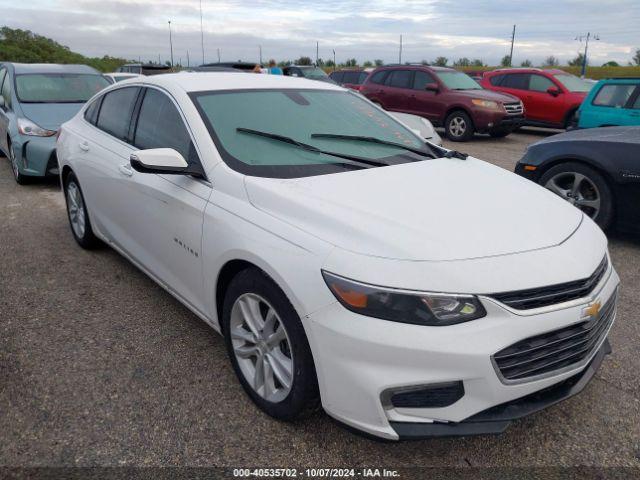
(500, 132)
(592, 186)
(292, 394)
(78, 214)
(18, 177)
(458, 127)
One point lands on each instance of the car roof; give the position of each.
(52, 68)
(417, 65)
(205, 81)
(552, 71)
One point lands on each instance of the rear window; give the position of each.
(115, 112)
(613, 95)
(58, 87)
(352, 77)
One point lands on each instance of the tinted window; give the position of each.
(495, 80)
(115, 112)
(161, 126)
(91, 113)
(336, 77)
(351, 77)
(613, 95)
(421, 79)
(538, 83)
(363, 77)
(518, 81)
(378, 77)
(6, 90)
(399, 78)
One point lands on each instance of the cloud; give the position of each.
(287, 29)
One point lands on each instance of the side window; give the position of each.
(538, 83)
(161, 126)
(421, 79)
(6, 89)
(399, 79)
(613, 95)
(379, 77)
(91, 113)
(519, 81)
(636, 104)
(336, 77)
(496, 80)
(363, 77)
(351, 77)
(115, 113)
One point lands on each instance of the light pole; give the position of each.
(202, 33)
(334, 60)
(586, 49)
(513, 37)
(400, 52)
(171, 43)
(260, 47)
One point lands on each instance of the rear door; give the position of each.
(398, 88)
(423, 102)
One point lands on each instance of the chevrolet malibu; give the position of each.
(409, 290)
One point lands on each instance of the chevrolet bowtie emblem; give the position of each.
(592, 310)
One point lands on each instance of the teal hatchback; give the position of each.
(35, 99)
(611, 102)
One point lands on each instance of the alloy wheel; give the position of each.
(577, 189)
(262, 347)
(457, 126)
(75, 206)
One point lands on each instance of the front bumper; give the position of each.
(487, 120)
(36, 155)
(359, 358)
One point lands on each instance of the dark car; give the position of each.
(446, 97)
(307, 71)
(597, 170)
(225, 67)
(352, 79)
(144, 68)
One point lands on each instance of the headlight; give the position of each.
(489, 104)
(27, 127)
(419, 308)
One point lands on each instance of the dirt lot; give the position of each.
(99, 366)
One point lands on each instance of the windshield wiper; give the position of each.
(311, 148)
(363, 138)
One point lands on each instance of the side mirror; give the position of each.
(160, 160)
(553, 91)
(432, 87)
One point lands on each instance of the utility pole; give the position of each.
(202, 33)
(218, 55)
(159, 60)
(334, 59)
(586, 49)
(260, 47)
(171, 43)
(513, 37)
(188, 65)
(317, 50)
(400, 52)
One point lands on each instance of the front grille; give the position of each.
(515, 108)
(553, 351)
(552, 294)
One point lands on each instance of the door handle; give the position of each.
(125, 169)
(84, 146)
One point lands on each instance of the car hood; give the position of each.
(50, 115)
(488, 95)
(443, 209)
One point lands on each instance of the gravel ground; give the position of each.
(99, 366)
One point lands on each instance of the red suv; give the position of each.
(551, 97)
(446, 97)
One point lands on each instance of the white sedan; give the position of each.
(410, 290)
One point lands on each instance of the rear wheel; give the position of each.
(583, 187)
(78, 215)
(268, 347)
(459, 127)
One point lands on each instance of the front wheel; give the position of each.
(583, 187)
(268, 347)
(78, 215)
(19, 177)
(459, 127)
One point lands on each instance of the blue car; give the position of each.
(611, 102)
(35, 99)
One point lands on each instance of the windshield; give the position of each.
(58, 87)
(315, 73)
(299, 114)
(573, 83)
(458, 81)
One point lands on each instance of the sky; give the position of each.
(362, 29)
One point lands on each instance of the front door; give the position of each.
(540, 104)
(423, 102)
